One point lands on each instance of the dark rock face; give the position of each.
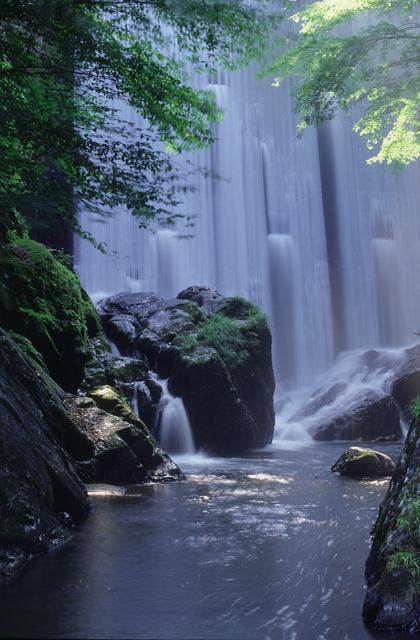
(406, 386)
(216, 353)
(41, 494)
(357, 462)
(393, 566)
(374, 416)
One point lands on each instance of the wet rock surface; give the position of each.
(393, 566)
(363, 397)
(358, 462)
(41, 495)
(216, 353)
(373, 416)
(122, 449)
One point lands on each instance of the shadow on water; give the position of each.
(271, 546)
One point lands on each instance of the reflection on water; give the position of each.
(271, 546)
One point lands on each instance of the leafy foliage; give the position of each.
(359, 52)
(67, 70)
(409, 560)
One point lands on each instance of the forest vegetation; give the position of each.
(68, 68)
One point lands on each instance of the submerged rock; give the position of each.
(393, 566)
(358, 462)
(216, 353)
(41, 494)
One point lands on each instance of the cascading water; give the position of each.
(326, 244)
(173, 426)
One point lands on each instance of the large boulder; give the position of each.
(358, 462)
(393, 566)
(122, 449)
(41, 299)
(353, 400)
(41, 494)
(372, 416)
(216, 353)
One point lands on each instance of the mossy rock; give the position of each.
(29, 350)
(111, 401)
(359, 462)
(41, 299)
(216, 353)
(393, 566)
(123, 451)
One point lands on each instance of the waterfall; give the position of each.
(174, 431)
(324, 243)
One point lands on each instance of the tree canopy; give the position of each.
(359, 52)
(68, 67)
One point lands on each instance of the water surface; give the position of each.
(271, 546)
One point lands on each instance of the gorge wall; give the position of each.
(324, 243)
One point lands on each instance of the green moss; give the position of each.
(108, 399)
(234, 332)
(234, 339)
(186, 342)
(29, 350)
(224, 335)
(415, 408)
(41, 299)
(409, 520)
(408, 561)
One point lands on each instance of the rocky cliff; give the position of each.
(393, 567)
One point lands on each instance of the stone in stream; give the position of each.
(358, 462)
(392, 601)
(216, 353)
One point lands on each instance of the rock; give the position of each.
(41, 299)
(122, 449)
(374, 416)
(392, 601)
(216, 353)
(109, 400)
(363, 463)
(209, 300)
(41, 494)
(320, 399)
(406, 385)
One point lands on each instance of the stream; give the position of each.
(268, 546)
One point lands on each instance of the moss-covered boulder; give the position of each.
(41, 494)
(41, 299)
(358, 462)
(216, 353)
(393, 566)
(123, 450)
(111, 401)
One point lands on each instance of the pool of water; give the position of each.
(269, 546)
